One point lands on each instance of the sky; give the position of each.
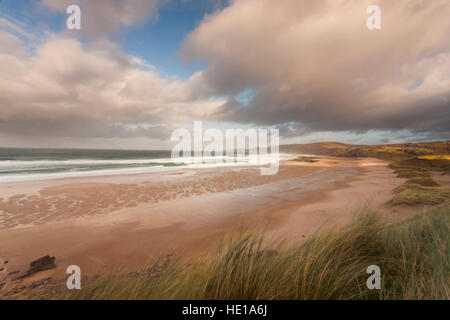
(139, 69)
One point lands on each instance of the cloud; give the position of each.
(11, 45)
(67, 89)
(316, 63)
(302, 66)
(101, 18)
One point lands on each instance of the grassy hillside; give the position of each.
(320, 148)
(413, 256)
(401, 151)
(415, 161)
(420, 188)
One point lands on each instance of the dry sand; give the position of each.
(100, 223)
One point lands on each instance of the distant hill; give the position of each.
(388, 151)
(319, 148)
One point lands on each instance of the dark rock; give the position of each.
(41, 264)
(12, 273)
(40, 283)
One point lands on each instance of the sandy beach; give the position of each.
(102, 223)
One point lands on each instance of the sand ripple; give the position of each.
(93, 198)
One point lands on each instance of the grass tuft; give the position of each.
(413, 256)
(413, 194)
(423, 181)
(411, 173)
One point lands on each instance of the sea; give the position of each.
(17, 164)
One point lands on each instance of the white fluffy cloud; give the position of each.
(68, 90)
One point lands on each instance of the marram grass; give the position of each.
(414, 194)
(425, 181)
(413, 256)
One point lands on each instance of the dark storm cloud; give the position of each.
(316, 63)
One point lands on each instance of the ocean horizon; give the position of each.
(17, 164)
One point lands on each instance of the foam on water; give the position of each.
(38, 164)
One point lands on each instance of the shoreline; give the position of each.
(159, 165)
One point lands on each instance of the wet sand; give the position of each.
(100, 223)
